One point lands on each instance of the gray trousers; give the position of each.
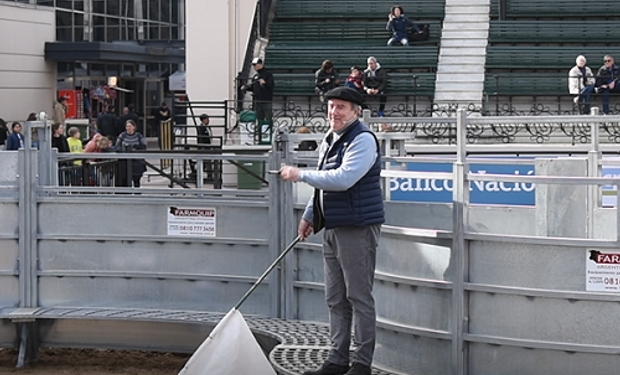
(350, 256)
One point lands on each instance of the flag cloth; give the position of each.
(230, 349)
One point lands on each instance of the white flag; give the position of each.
(230, 349)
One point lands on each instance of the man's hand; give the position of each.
(305, 229)
(611, 85)
(262, 82)
(289, 173)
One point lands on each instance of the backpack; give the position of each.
(419, 37)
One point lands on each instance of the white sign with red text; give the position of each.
(195, 222)
(602, 271)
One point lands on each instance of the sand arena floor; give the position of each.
(94, 362)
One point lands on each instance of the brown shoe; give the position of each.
(359, 369)
(329, 368)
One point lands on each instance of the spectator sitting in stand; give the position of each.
(325, 79)
(581, 84)
(607, 80)
(375, 82)
(398, 24)
(355, 80)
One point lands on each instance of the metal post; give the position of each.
(387, 150)
(460, 201)
(415, 95)
(199, 173)
(502, 10)
(496, 94)
(289, 229)
(594, 156)
(366, 118)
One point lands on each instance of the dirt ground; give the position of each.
(94, 362)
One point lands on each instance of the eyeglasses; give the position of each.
(606, 60)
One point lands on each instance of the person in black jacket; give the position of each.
(59, 141)
(325, 79)
(607, 80)
(375, 82)
(4, 133)
(129, 113)
(107, 123)
(203, 139)
(262, 85)
(398, 24)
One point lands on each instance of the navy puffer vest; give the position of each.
(362, 204)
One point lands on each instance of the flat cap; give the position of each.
(345, 93)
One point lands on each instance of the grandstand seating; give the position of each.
(321, 9)
(304, 33)
(554, 31)
(309, 58)
(542, 57)
(536, 70)
(369, 33)
(526, 84)
(297, 84)
(556, 9)
(532, 50)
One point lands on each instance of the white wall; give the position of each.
(27, 81)
(216, 37)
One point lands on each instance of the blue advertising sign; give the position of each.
(609, 191)
(482, 192)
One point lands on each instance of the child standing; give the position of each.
(75, 143)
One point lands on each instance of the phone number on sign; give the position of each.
(611, 281)
(193, 228)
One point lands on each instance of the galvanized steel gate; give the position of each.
(460, 288)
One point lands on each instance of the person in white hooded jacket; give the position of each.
(581, 84)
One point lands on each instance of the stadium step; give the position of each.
(460, 71)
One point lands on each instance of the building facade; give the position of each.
(135, 44)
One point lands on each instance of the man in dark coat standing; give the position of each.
(261, 86)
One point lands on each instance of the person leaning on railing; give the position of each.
(128, 141)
